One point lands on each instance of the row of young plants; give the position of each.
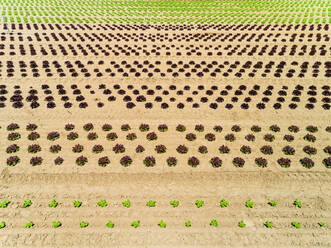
(152, 136)
(151, 203)
(180, 128)
(181, 149)
(161, 223)
(150, 161)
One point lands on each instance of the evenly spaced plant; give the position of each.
(250, 137)
(310, 150)
(171, 161)
(12, 148)
(296, 224)
(224, 149)
(193, 161)
(2, 224)
(103, 161)
(102, 203)
(210, 137)
(111, 136)
(53, 204)
(56, 224)
(191, 137)
(72, 136)
(110, 224)
(29, 224)
(125, 127)
(309, 137)
(34, 148)
(327, 150)
(216, 162)
(160, 149)
(213, 223)
(188, 223)
(58, 161)
(149, 161)
(140, 149)
(241, 224)
(307, 163)
(162, 224)
(13, 136)
(199, 203)
(97, 149)
(297, 203)
(182, 149)
(4, 204)
(246, 149)
(284, 162)
(249, 204)
(31, 127)
(151, 136)
(230, 137)
(131, 136)
(288, 150)
(268, 224)
(150, 203)
(238, 162)
(203, 149)
(77, 204)
(162, 128)
(69, 127)
(83, 224)
(118, 148)
(224, 203)
(236, 128)
(36, 161)
(274, 128)
(88, 127)
(261, 162)
(33, 136)
(199, 128)
(12, 127)
(55, 148)
(181, 128)
(269, 137)
(267, 150)
(327, 162)
(272, 203)
(144, 127)
(293, 129)
(135, 224)
(126, 203)
(288, 138)
(53, 136)
(256, 129)
(312, 129)
(107, 127)
(13, 160)
(174, 203)
(92, 136)
(218, 128)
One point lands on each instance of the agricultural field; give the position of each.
(170, 123)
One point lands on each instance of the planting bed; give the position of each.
(165, 124)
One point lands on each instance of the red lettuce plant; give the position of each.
(88, 127)
(266, 150)
(149, 161)
(58, 161)
(307, 163)
(34, 148)
(216, 162)
(193, 161)
(36, 161)
(119, 148)
(107, 127)
(111, 136)
(69, 127)
(191, 136)
(171, 161)
(140, 149)
(81, 161)
(151, 136)
(218, 128)
(203, 149)
(288, 150)
(72, 136)
(55, 148)
(162, 128)
(261, 162)
(284, 162)
(126, 161)
(181, 128)
(144, 127)
(250, 137)
(238, 162)
(13, 160)
(103, 161)
(31, 127)
(53, 136)
(12, 148)
(210, 137)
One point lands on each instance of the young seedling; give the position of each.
(224, 203)
(77, 204)
(102, 203)
(188, 223)
(174, 203)
(241, 224)
(4, 204)
(53, 204)
(83, 224)
(268, 224)
(249, 204)
(199, 203)
(321, 224)
(110, 224)
(296, 224)
(213, 223)
(272, 203)
(297, 203)
(29, 224)
(56, 224)
(135, 224)
(2, 224)
(162, 224)
(150, 203)
(126, 203)
(27, 203)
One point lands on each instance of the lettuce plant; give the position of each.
(13, 136)
(77, 204)
(12, 148)
(13, 160)
(191, 137)
(107, 127)
(118, 148)
(29, 224)
(12, 127)
(171, 161)
(125, 127)
(246, 149)
(307, 163)
(150, 203)
(284, 162)
(4, 204)
(199, 203)
(203, 149)
(193, 161)
(83, 224)
(144, 127)
(249, 204)
(210, 137)
(297, 203)
(256, 129)
(103, 161)
(55, 148)
(180, 128)
(272, 203)
(2, 224)
(110, 224)
(34, 148)
(53, 136)
(88, 127)
(218, 128)
(58, 161)
(126, 203)
(131, 136)
(235, 128)
(162, 224)
(27, 203)
(268, 224)
(160, 148)
(135, 224)
(72, 136)
(312, 129)
(238, 162)
(162, 128)
(213, 223)
(92, 136)
(149, 161)
(69, 127)
(269, 137)
(174, 203)
(274, 128)
(230, 137)
(241, 224)
(33, 136)
(288, 138)
(56, 224)
(199, 128)
(53, 204)
(140, 149)
(250, 137)
(327, 150)
(293, 129)
(224, 203)
(216, 162)
(182, 149)
(296, 224)
(151, 136)
(224, 149)
(31, 127)
(309, 138)
(321, 224)
(261, 162)
(327, 162)
(188, 223)
(102, 203)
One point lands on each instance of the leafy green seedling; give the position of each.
(53, 204)
(2, 224)
(162, 224)
(224, 203)
(150, 203)
(268, 224)
(4, 204)
(110, 224)
(135, 224)
(241, 224)
(102, 203)
(297, 203)
(321, 224)
(56, 224)
(126, 203)
(272, 203)
(27, 203)
(77, 204)
(83, 224)
(213, 223)
(188, 223)
(174, 203)
(249, 204)
(199, 203)
(29, 224)
(296, 224)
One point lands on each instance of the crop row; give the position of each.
(163, 224)
(163, 27)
